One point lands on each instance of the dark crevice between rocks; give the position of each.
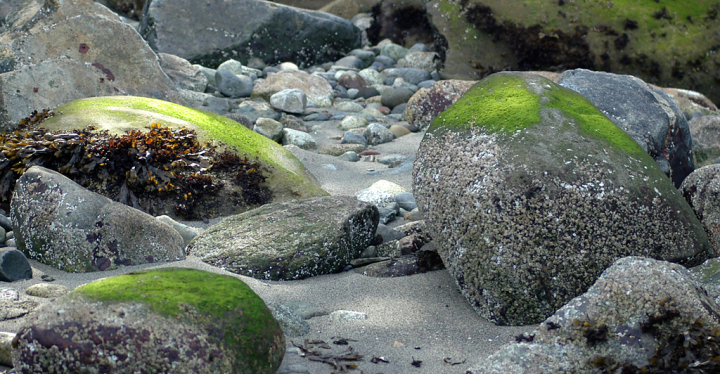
(534, 48)
(405, 25)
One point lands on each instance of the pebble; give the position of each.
(349, 156)
(346, 315)
(14, 265)
(6, 339)
(269, 128)
(399, 130)
(352, 122)
(47, 290)
(353, 138)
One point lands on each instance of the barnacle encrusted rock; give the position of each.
(640, 314)
(61, 224)
(287, 178)
(531, 193)
(290, 240)
(159, 321)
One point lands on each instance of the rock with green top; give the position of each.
(287, 178)
(169, 320)
(290, 240)
(550, 193)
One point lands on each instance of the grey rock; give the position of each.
(182, 73)
(303, 309)
(396, 96)
(233, 66)
(371, 77)
(349, 106)
(9, 294)
(635, 308)
(524, 178)
(10, 243)
(47, 290)
(418, 47)
(376, 197)
(293, 369)
(376, 133)
(352, 93)
(349, 156)
(186, 232)
(14, 265)
(291, 122)
(5, 223)
(306, 238)
(387, 214)
(6, 339)
(352, 122)
(388, 234)
(208, 73)
(705, 133)
(290, 100)
(427, 103)
(65, 226)
(346, 315)
(317, 89)
(317, 116)
(352, 62)
(291, 324)
(391, 158)
(298, 138)
(368, 92)
(386, 61)
(185, 28)
(406, 200)
(425, 84)
(393, 51)
(649, 115)
(411, 75)
(427, 61)
(352, 138)
(367, 57)
(233, 86)
(69, 50)
(269, 128)
(399, 109)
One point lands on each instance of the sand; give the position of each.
(421, 317)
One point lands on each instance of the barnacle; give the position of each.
(134, 168)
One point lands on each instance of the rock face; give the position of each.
(705, 132)
(167, 321)
(427, 103)
(287, 178)
(59, 223)
(650, 116)
(247, 28)
(551, 193)
(290, 240)
(640, 314)
(701, 189)
(59, 51)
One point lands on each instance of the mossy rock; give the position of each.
(287, 177)
(551, 193)
(166, 320)
(670, 43)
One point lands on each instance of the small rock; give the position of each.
(352, 122)
(346, 315)
(303, 309)
(6, 223)
(47, 290)
(298, 138)
(349, 156)
(231, 85)
(376, 133)
(396, 96)
(353, 138)
(349, 106)
(291, 324)
(185, 231)
(290, 100)
(47, 278)
(269, 128)
(399, 130)
(293, 369)
(406, 200)
(14, 265)
(9, 294)
(6, 339)
(288, 66)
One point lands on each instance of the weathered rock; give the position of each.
(13, 265)
(62, 50)
(269, 128)
(352, 80)
(701, 190)
(233, 86)
(396, 96)
(317, 89)
(6, 339)
(290, 100)
(286, 176)
(551, 193)
(47, 290)
(410, 75)
(650, 116)
(705, 133)
(291, 324)
(185, 231)
(245, 29)
(427, 103)
(376, 133)
(298, 138)
(61, 224)
(352, 122)
(641, 314)
(420, 60)
(290, 240)
(167, 320)
(182, 73)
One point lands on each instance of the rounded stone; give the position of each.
(47, 290)
(352, 122)
(14, 265)
(396, 96)
(290, 100)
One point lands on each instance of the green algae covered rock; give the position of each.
(158, 321)
(669, 43)
(287, 178)
(550, 194)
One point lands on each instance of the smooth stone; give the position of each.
(388, 159)
(5, 222)
(352, 138)
(418, 47)
(352, 122)
(396, 96)
(376, 133)
(406, 200)
(269, 128)
(232, 66)
(298, 138)
(14, 265)
(303, 309)
(233, 86)
(399, 109)
(399, 130)
(288, 66)
(349, 156)
(9, 294)
(385, 61)
(387, 186)
(349, 106)
(291, 324)
(47, 290)
(6, 339)
(316, 117)
(290, 100)
(352, 93)
(387, 214)
(346, 315)
(185, 231)
(351, 62)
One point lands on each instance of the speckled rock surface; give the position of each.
(290, 240)
(427, 103)
(61, 224)
(706, 139)
(702, 190)
(550, 194)
(161, 321)
(636, 309)
(650, 116)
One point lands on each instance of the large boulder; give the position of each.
(158, 321)
(290, 240)
(550, 194)
(705, 133)
(427, 103)
(317, 90)
(650, 116)
(701, 189)
(642, 40)
(58, 51)
(286, 177)
(61, 224)
(208, 33)
(641, 315)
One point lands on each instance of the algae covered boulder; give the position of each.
(550, 194)
(283, 176)
(157, 321)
